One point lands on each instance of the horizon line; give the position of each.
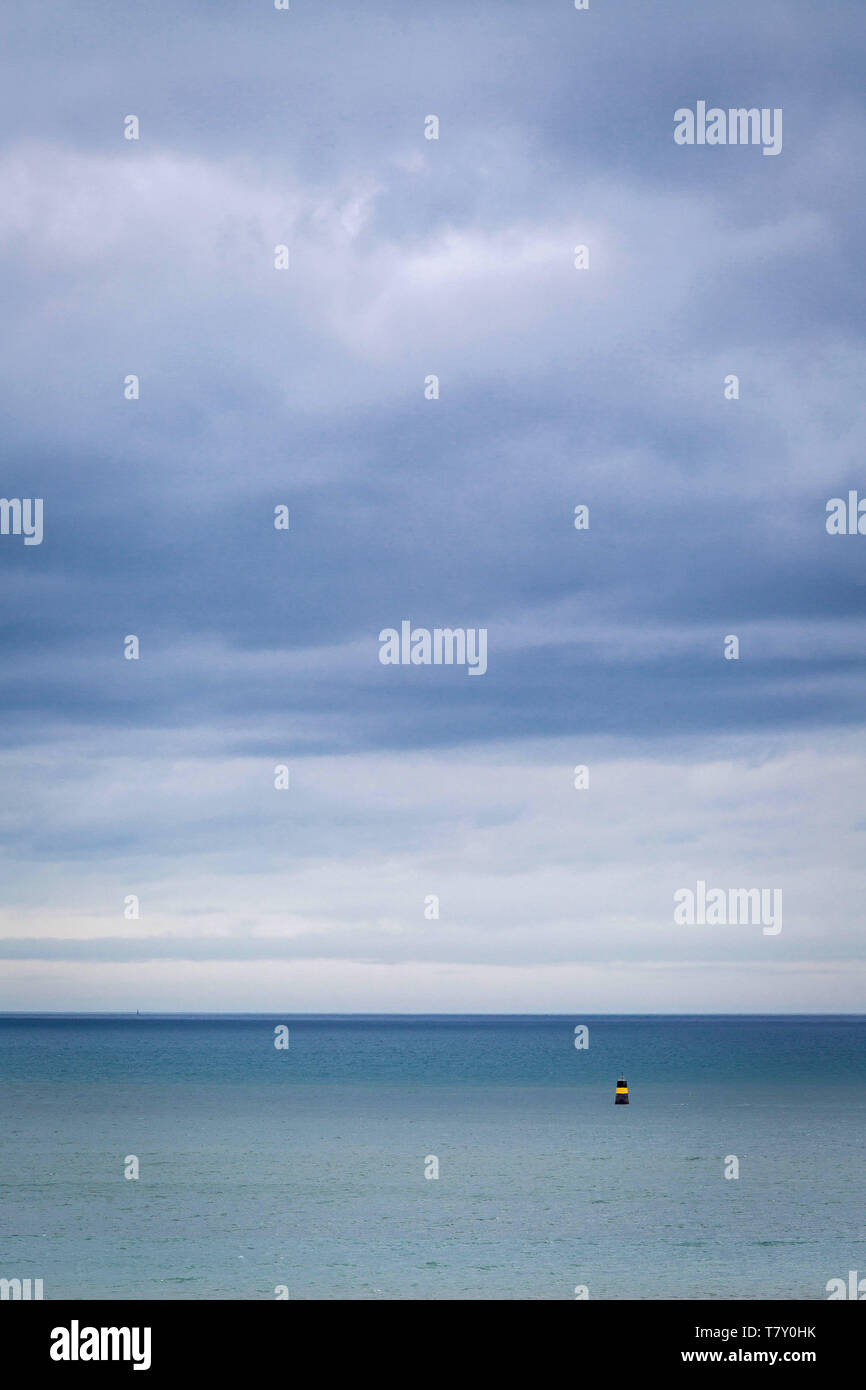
(294, 1013)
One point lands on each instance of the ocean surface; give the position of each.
(305, 1167)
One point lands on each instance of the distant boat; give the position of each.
(621, 1092)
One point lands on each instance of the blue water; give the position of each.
(305, 1167)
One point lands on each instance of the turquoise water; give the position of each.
(305, 1167)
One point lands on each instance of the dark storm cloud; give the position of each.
(558, 387)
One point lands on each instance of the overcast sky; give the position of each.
(305, 387)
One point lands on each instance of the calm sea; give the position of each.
(305, 1167)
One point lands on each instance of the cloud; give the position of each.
(558, 387)
(528, 870)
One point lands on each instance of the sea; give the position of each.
(432, 1158)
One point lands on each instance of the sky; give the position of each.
(304, 388)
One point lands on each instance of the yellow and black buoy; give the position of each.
(621, 1092)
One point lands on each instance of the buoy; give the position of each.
(621, 1092)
